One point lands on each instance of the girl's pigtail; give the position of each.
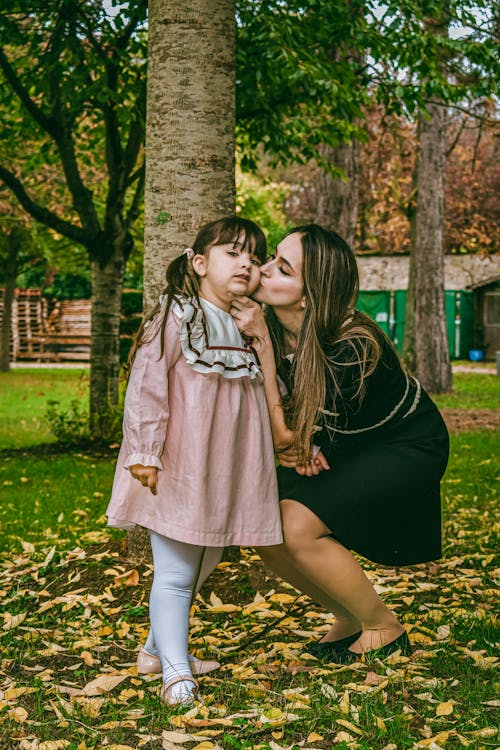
(181, 281)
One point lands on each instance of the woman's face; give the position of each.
(281, 284)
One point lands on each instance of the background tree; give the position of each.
(17, 251)
(79, 77)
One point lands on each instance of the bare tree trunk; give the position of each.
(189, 138)
(432, 356)
(190, 127)
(8, 300)
(337, 202)
(107, 286)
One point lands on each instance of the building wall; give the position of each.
(461, 271)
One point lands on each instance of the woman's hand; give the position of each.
(146, 475)
(249, 318)
(317, 463)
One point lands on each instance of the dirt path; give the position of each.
(463, 420)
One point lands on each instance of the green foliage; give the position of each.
(72, 427)
(263, 202)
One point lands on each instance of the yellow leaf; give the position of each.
(344, 702)
(225, 608)
(87, 658)
(120, 747)
(380, 724)
(436, 741)
(444, 709)
(12, 621)
(19, 714)
(13, 693)
(53, 745)
(214, 600)
(205, 745)
(348, 725)
(103, 684)
(282, 598)
(314, 737)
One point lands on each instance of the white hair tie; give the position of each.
(189, 252)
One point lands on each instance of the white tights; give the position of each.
(180, 570)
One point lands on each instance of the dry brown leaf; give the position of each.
(53, 745)
(103, 684)
(19, 714)
(10, 622)
(444, 709)
(129, 578)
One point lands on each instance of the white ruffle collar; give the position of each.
(220, 349)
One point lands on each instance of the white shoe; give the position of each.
(149, 664)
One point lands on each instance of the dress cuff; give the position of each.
(145, 459)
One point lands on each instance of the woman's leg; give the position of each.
(176, 567)
(331, 568)
(281, 562)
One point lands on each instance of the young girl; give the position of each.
(196, 466)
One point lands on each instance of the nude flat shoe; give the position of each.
(149, 664)
(166, 696)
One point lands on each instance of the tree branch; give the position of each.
(133, 211)
(42, 214)
(13, 79)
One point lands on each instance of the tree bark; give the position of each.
(8, 300)
(189, 139)
(190, 127)
(107, 286)
(337, 199)
(432, 356)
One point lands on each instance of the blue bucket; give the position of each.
(476, 355)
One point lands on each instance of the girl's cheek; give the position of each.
(254, 283)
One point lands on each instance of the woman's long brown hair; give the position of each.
(182, 281)
(331, 289)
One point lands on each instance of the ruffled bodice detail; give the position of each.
(212, 343)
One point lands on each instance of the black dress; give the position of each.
(387, 450)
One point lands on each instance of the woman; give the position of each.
(373, 487)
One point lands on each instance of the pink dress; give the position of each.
(198, 413)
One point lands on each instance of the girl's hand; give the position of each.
(146, 475)
(249, 318)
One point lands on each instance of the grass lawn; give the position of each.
(24, 394)
(74, 611)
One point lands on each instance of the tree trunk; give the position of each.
(107, 286)
(8, 300)
(432, 356)
(189, 138)
(190, 127)
(337, 199)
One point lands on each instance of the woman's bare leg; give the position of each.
(278, 559)
(332, 569)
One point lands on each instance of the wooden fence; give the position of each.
(48, 332)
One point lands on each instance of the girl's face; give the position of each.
(281, 284)
(226, 272)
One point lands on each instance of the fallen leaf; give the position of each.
(103, 684)
(444, 709)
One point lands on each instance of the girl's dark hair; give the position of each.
(331, 289)
(182, 281)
